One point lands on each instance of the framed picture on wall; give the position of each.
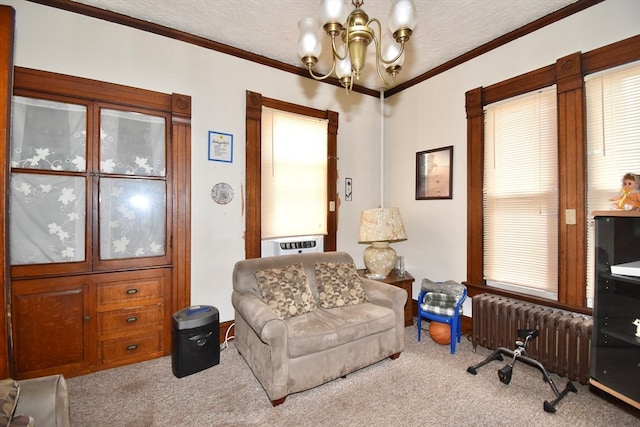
(220, 147)
(434, 174)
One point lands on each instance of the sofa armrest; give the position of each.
(263, 320)
(392, 297)
(386, 295)
(46, 400)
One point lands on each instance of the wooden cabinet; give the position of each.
(79, 324)
(615, 355)
(100, 246)
(52, 327)
(405, 282)
(132, 318)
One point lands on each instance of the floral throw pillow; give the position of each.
(286, 290)
(339, 285)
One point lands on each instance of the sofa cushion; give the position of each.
(323, 329)
(338, 285)
(286, 290)
(9, 392)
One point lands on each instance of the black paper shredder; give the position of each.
(196, 340)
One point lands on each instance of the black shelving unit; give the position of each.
(615, 350)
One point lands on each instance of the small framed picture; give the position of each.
(220, 147)
(434, 174)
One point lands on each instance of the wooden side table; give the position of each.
(405, 282)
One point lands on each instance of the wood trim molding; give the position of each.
(556, 16)
(572, 177)
(139, 24)
(475, 167)
(7, 23)
(181, 241)
(94, 90)
(253, 226)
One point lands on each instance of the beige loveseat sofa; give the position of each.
(294, 338)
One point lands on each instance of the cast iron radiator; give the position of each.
(564, 342)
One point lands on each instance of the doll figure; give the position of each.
(629, 197)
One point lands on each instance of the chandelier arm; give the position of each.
(377, 40)
(334, 48)
(379, 50)
(321, 77)
(391, 61)
(379, 59)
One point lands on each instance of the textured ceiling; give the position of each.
(446, 29)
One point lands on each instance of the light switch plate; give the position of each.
(570, 216)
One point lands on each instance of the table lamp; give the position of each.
(379, 227)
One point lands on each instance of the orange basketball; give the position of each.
(440, 332)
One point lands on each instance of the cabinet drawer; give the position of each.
(130, 347)
(129, 291)
(129, 319)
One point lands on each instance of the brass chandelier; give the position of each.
(356, 33)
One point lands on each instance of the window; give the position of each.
(521, 194)
(575, 167)
(613, 147)
(294, 174)
(255, 103)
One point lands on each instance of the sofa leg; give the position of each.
(394, 356)
(277, 402)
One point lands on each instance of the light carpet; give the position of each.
(426, 386)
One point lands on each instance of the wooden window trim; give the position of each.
(568, 73)
(254, 104)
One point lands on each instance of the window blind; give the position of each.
(613, 143)
(520, 200)
(294, 175)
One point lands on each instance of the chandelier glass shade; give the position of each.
(351, 33)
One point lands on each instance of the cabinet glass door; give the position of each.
(48, 186)
(132, 212)
(88, 187)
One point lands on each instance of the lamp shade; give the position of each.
(309, 43)
(402, 16)
(381, 225)
(334, 11)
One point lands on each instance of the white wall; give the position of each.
(432, 115)
(429, 115)
(54, 40)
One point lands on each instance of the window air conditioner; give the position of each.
(292, 245)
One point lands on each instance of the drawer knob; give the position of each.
(132, 291)
(87, 317)
(132, 347)
(132, 319)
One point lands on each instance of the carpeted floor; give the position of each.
(426, 386)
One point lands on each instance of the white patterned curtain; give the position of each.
(48, 206)
(132, 218)
(47, 211)
(47, 219)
